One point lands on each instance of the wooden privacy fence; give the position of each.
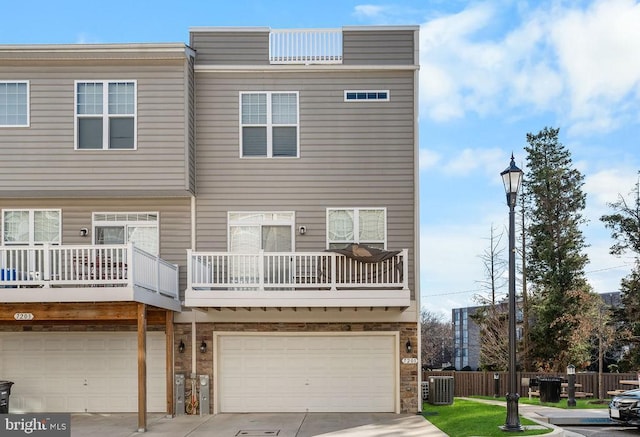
(483, 384)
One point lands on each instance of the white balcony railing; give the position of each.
(305, 46)
(62, 266)
(293, 270)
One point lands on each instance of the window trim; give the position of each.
(106, 117)
(31, 212)
(125, 223)
(356, 225)
(367, 99)
(269, 125)
(28, 124)
(281, 222)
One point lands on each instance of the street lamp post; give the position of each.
(511, 178)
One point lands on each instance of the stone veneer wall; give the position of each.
(204, 364)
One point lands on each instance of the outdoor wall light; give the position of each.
(84, 232)
(408, 346)
(302, 230)
(181, 347)
(203, 347)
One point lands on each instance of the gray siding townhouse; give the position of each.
(306, 142)
(96, 181)
(243, 209)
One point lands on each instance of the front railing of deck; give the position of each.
(305, 46)
(86, 266)
(293, 270)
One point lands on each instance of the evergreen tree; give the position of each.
(625, 230)
(554, 252)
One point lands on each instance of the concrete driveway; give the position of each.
(256, 425)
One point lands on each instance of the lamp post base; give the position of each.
(513, 418)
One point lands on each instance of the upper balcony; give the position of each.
(85, 273)
(305, 46)
(295, 279)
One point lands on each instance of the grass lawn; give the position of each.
(580, 403)
(466, 418)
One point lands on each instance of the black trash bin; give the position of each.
(5, 392)
(550, 388)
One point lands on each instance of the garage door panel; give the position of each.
(299, 373)
(77, 372)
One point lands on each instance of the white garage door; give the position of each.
(314, 373)
(81, 371)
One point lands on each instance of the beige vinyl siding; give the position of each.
(351, 155)
(376, 47)
(231, 48)
(175, 234)
(41, 159)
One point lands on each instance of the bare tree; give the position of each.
(437, 339)
(491, 317)
(494, 335)
(495, 266)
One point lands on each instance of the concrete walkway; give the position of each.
(257, 424)
(557, 417)
(309, 424)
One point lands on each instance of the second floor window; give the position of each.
(14, 103)
(105, 115)
(269, 124)
(356, 225)
(139, 228)
(31, 226)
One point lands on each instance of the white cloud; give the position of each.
(368, 11)
(84, 38)
(428, 159)
(468, 160)
(610, 269)
(581, 64)
(594, 48)
(390, 13)
(598, 52)
(605, 186)
(456, 73)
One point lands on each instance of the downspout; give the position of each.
(193, 345)
(193, 313)
(416, 184)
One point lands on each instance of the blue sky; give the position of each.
(491, 71)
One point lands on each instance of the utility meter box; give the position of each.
(178, 394)
(204, 395)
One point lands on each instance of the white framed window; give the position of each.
(253, 231)
(366, 96)
(140, 228)
(269, 124)
(356, 225)
(31, 226)
(105, 115)
(14, 103)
